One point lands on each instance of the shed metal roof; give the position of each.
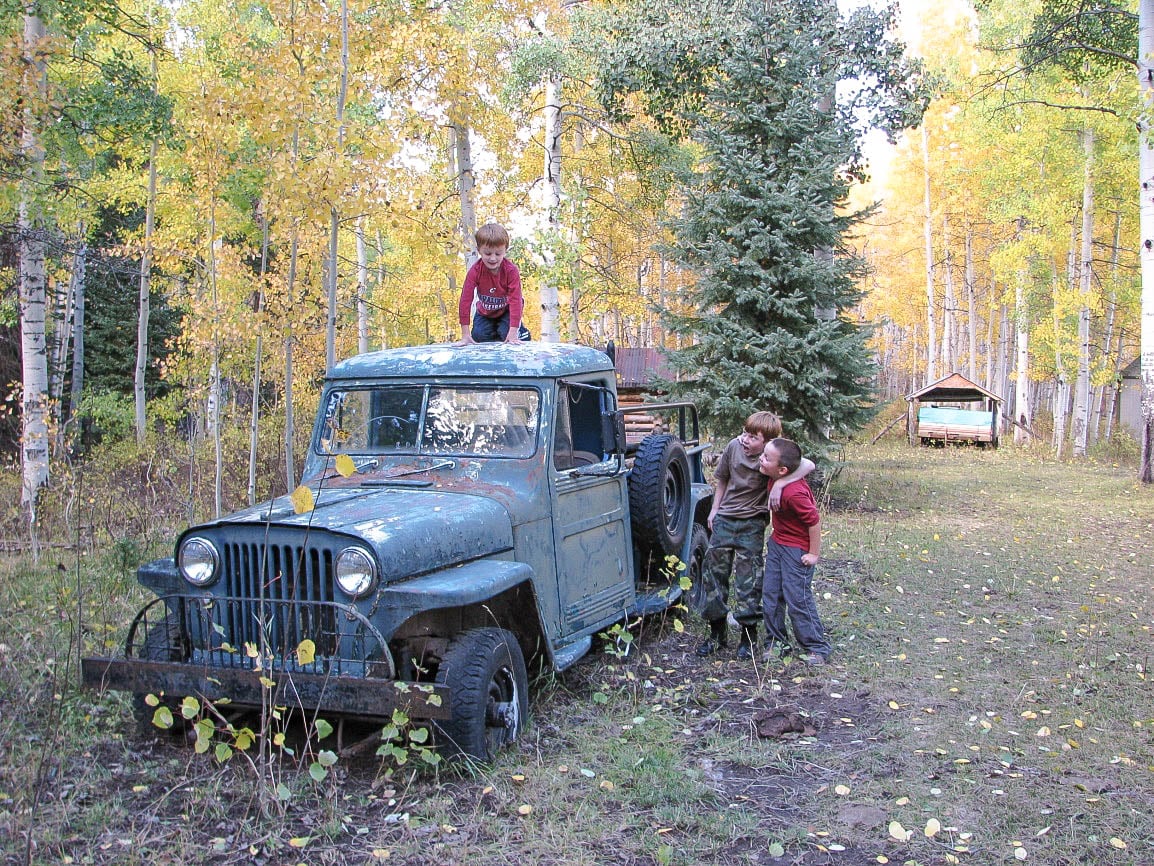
(953, 388)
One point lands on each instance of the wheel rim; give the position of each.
(673, 497)
(502, 710)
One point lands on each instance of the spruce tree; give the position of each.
(763, 224)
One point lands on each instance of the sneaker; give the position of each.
(813, 659)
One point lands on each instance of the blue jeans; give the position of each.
(486, 330)
(789, 584)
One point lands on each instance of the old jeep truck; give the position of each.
(475, 512)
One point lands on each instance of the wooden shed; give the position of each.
(636, 370)
(970, 414)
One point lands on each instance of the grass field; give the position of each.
(988, 702)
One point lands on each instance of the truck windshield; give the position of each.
(489, 422)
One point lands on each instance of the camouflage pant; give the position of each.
(736, 548)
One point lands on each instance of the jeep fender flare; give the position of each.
(472, 585)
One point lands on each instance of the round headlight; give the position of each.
(199, 562)
(356, 572)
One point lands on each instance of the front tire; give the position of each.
(163, 642)
(485, 672)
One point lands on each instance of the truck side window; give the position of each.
(577, 432)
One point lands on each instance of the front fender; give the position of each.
(474, 586)
(460, 586)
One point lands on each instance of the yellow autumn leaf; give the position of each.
(300, 841)
(898, 832)
(606, 785)
(302, 500)
(524, 809)
(344, 465)
(841, 790)
(933, 828)
(382, 853)
(306, 652)
(1117, 843)
(894, 705)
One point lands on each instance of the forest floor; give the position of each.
(988, 702)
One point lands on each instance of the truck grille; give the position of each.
(278, 595)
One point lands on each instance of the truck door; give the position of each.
(590, 519)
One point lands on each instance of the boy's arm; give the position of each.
(804, 468)
(811, 556)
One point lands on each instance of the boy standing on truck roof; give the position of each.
(496, 281)
(794, 549)
(737, 521)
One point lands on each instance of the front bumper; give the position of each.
(252, 653)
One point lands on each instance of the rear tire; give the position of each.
(485, 673)
(659, 494)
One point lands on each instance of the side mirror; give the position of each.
(613, 432)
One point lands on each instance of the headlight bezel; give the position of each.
(360, 564)
(195, 573)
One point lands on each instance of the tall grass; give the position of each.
(988, 700)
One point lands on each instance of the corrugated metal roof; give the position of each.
(636, 368)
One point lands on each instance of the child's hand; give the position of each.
(774, 497)
(514, 336)
(464, 341)
(809, 559)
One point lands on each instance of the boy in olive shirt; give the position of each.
(737, 522)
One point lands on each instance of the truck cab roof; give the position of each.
(530, 360)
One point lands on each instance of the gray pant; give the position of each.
(734, 548)
(789, 584)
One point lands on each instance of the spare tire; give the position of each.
(659, 494)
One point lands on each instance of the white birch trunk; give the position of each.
(1022, 415)
(462, 150)
(362, 288)
(1085, 289)
(33, 285)
(1146, 229)
(931, 318)
(949, 308)
(550, 301)
(334, 213)
(289, 421)
(971, 304)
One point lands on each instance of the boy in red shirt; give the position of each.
(794, 549)
(497, 284)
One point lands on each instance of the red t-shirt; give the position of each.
(798, 512)
(495, 293)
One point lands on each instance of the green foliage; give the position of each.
(402, 740)
(764, 217)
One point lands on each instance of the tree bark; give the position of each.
(139, 395)
(1146, 227)
(550, 300)
(33, 284)
(1085, 289)
(931, 318)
